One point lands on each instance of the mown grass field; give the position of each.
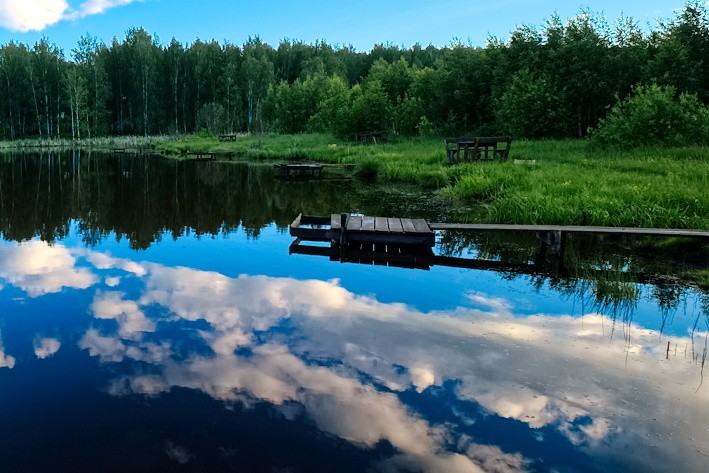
(543, 182)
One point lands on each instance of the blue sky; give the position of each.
(359, 23)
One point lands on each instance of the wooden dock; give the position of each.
(405, 242)
(345, 228)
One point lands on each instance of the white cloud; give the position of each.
(36, 15)
(552, 372)
(113, 281)
(106, 348)
(31, 15)
(95, 7)
(38, 268)
(131, 320)
(6, 361)
(104, 261)
(46, 347)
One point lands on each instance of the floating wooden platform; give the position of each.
(345, 228)
(293, 171)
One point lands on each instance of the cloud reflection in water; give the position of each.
(353, 365)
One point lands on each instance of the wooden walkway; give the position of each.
(346, 228)
(663, 232)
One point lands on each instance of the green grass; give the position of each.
(558, 182)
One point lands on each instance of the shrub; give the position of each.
(655, 115)
(531, 108)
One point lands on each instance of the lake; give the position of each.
(152, 319)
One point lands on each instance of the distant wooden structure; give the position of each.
(227, 137)
(130, 150)
(345, 228)
(372, 137)
(201, 156)
(474, 149)
(299, 171)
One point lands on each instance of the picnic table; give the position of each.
(477, 148)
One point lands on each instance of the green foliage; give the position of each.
(395, 78)
(370, 109)
(654, 115)
(368, 169)
(681, 49)
(531, 108)
(557, 80)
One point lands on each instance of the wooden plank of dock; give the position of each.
(335, 222)
(354, 224)
(395, 225)
(666, 232)
(408, 225)
(381, 224)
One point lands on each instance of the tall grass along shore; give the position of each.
(543, 182)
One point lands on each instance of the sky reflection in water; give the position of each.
(217, 352)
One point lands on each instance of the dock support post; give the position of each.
(343, 229)
(553, 240)
(552, 250)
(343, 237)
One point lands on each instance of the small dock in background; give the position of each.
(307, 171)
(299, 171)
(130, 150)
(201, 156)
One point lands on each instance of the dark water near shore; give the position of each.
(152, 319)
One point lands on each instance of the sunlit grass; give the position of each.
(544, 182)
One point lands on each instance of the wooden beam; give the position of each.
(666, 232)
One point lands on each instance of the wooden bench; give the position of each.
(227, 137)
(460, 150)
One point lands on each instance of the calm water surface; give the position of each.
(152, 319)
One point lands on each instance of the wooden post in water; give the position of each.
(343, 237)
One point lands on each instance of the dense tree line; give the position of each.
(558, 80)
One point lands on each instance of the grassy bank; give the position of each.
(544, 182)
(98, 143)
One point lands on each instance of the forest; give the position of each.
(558, 80)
